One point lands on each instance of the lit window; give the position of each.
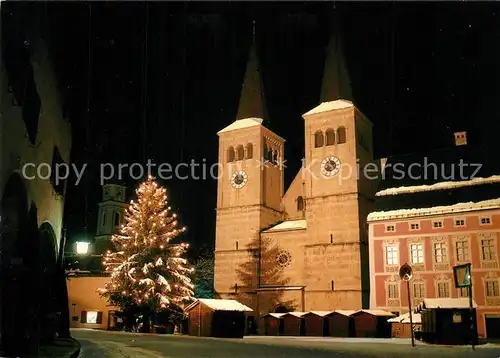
(443, 289)
(440, 252)
(392, 291)
(418, 290)
(391, 255)
(487, 249)
(437, 224)
(390, 228)
(459, 222)
(492, 289)
(91, 317)
(485, 221)
(415, 226)
(462, 250)
(417, 253)
(463, 292)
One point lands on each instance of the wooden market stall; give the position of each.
(400, 326)
(372, 323)
(447, 321)
(217, 318)
(341, 323)
(316, 323)
(272, 324)
(294, 324)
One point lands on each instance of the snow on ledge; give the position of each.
(242, 123)
(330, 106)
(289, 225)
(438, 186)
(456, 208)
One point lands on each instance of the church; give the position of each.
(304, 248)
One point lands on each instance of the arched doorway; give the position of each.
(281, 309)
(13, 225)
(48, 284)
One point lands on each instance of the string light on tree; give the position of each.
(152, 272)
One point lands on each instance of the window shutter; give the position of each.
(83, 318)
(99, 318)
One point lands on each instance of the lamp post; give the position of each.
(82, 247)
(463, 278)
(406, 274)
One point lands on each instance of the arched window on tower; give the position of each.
(249, 151)
(104, 219)
(240, 153)
(341, 135)
(265, 157)
(319, 139)
(300, 203)
(330, 136)
(117, 219)
(275, 157)
(230, 154)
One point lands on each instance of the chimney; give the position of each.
(460, 138)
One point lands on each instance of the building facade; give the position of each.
(87, 308)
(433, 228)
(35, 137)
(305, 248)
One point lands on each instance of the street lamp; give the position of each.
(82, 247)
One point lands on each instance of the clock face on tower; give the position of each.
(330, 166)
(239, 179)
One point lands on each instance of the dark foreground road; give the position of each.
(103, 344)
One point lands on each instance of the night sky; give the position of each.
(165, 77)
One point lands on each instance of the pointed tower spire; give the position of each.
(252, 93)
(336, 82)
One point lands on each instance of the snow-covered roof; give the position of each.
(296, 314)
(405, 318)
(242, 123)
(439, 186)
(320, 313)
(456, 208)
(275, 315)
(289, 225)
(446, 303)
(379, 313)
(330, 106)
(220, 305)
(345, 312)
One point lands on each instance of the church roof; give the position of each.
(288, 226)
(336, 83)
(330, 106)
(252, 98)
(241, 124)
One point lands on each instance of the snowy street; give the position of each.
(118, 345)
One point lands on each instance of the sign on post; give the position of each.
(462, 275)
(406, 272)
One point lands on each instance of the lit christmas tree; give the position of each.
(148, 272)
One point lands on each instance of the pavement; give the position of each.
(106, 344)
(60, 348)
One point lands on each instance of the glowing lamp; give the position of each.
(82, 248)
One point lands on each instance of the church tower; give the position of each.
(250, 187)
(111, 215)
(338, 194)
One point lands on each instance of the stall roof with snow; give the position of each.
(219, 305)
(445, 303)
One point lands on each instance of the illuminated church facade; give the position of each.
(304, 248)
